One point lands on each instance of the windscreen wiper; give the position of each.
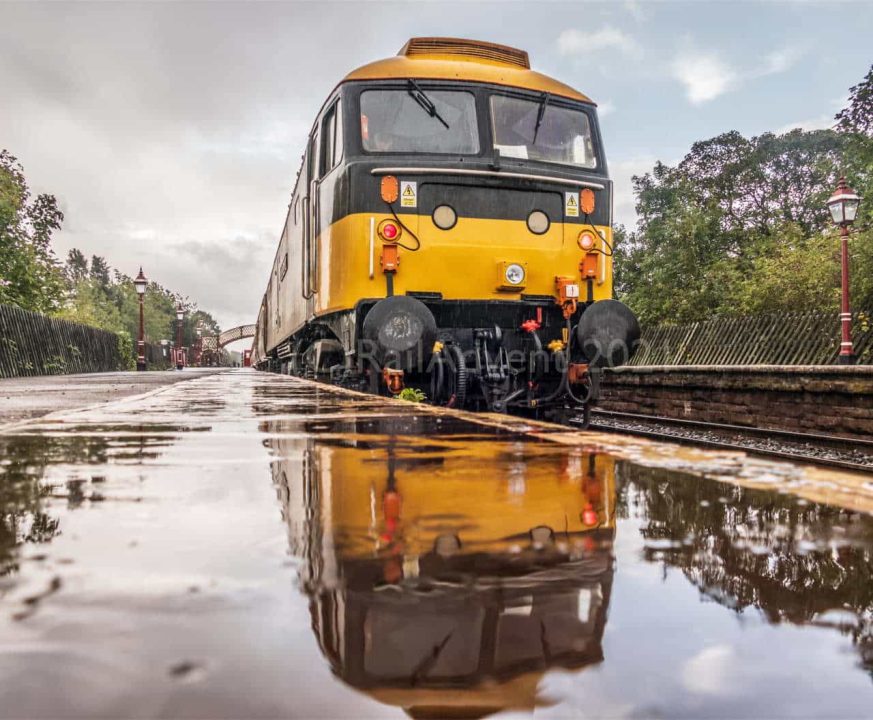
(540, 115)
(424, 101)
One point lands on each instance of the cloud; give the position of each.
(622, 172)
(605, 107)
(580, 42)
(779, 61)
(705, 76)
(635, 9)
(712, 671)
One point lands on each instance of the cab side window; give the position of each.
(332, 139)
(311, 155)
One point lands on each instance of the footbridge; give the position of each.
(240, 332)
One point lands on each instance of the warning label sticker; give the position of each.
(408, 194)
(571, 204)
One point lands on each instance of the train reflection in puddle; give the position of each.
(437, 585)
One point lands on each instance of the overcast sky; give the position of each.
(171, 133)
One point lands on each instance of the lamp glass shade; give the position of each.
(140, 283)
(180, 314)
(850, 208)
(843, 204)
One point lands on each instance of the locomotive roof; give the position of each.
(468, 60)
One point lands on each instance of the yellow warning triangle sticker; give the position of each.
(571, 201)
(408, 191)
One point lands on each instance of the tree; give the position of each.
(857, 116)
(100, 271)
(855, 123)
(739, 225)
(30, 276)
(77, 266)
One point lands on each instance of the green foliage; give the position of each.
(856, 122)
(857, 116)
(105, 298)
(30, 276)
(56, 365)
(100, 271)
(412, 395)
(740, 225)
(77, 266)
(127, 359)
(799, 272)
(90, 304)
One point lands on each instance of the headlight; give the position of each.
(514, 274)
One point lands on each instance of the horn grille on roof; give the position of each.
(467, 49)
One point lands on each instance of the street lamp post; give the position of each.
(843, 205)
(140, 283)
(180, 315)
(198, 348)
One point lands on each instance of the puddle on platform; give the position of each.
(246, 545)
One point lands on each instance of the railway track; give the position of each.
(820, 449)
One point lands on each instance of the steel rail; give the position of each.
(818, 440)
(794, 435)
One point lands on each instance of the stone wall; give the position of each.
(835, 400)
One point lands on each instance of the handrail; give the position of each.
(484, 173)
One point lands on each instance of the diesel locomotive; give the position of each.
(450, 231)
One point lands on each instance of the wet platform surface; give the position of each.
(26, 398)
(247, 545)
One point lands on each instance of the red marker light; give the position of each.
(589, 515)
(586, 241)
(389, 231)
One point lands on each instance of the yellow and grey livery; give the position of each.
(450, 231)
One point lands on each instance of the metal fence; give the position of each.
(34, 344)
(791, 338)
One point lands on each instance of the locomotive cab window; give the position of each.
(419, 120)
(332, 139)
(531, 129)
